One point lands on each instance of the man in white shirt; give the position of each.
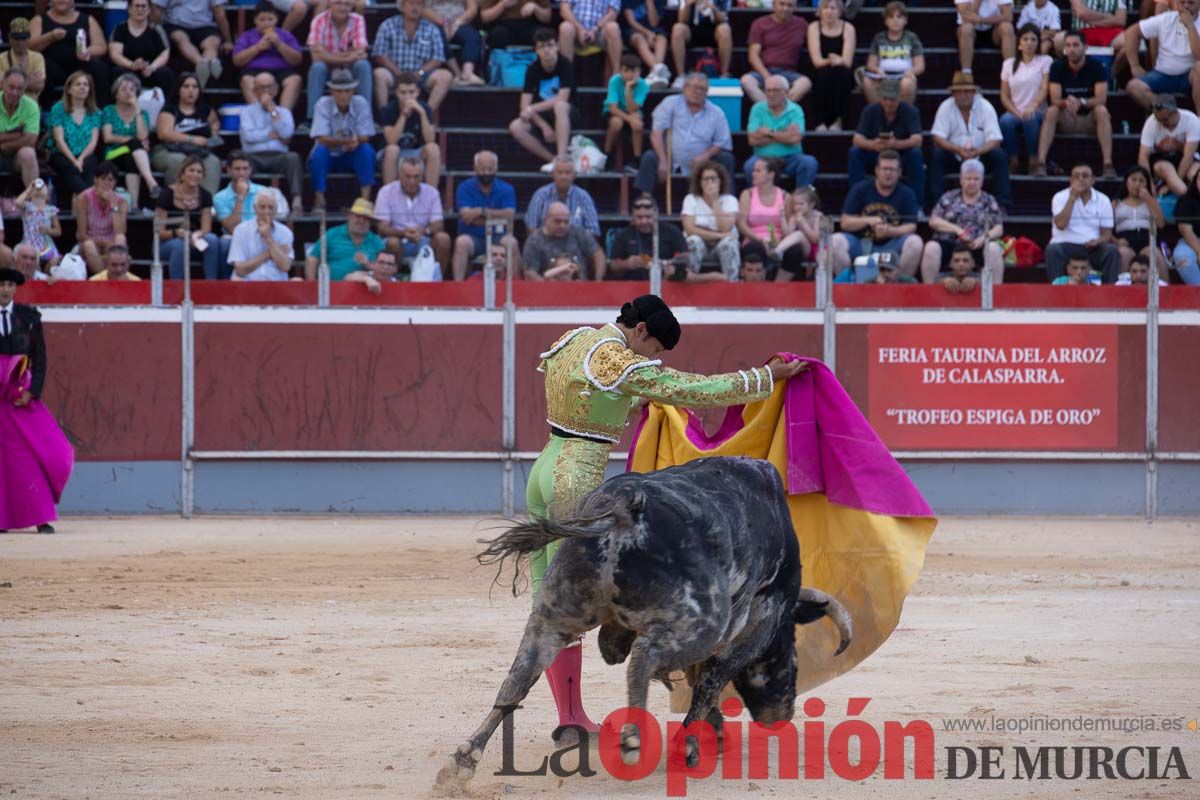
(265, 131)
(1176, 70)
(262, 248)
(966, 126)
(984, 22)
(26, 262)
(1168, 144)
(1082, 227)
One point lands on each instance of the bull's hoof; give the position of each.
(452, 779)
(571, 735)
(631, 748)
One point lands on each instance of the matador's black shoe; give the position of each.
(46, 528)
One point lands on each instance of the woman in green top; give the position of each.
(74, 133)
(594, 377)
(126, 129)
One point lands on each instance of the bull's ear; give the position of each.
(637, 503)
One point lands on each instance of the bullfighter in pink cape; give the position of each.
(35, 457)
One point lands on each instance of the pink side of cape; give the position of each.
(831, 447)
(35, 457)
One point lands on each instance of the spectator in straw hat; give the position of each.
(342, 130)
(348, 248)
(21, 56)
(966, 126)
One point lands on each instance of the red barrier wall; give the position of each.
(435, 385)
(115, 388)
(347, 387)
(1179, 389)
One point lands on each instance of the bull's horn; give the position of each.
(815, 604)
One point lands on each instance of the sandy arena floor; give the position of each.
(345, 658)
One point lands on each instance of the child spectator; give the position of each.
(407, 123)
(546, 101)
(962, 277)
(806, 222)
(897, 53)
(1043, 15)
(627, 92)
(1138, 274)
(643, 31)
(40, 220)
(268, 48)
(1079, 273)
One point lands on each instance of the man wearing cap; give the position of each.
(633, 248)
(29, 488)
(966, 126)
(774, 130)
(890, 124)
(879, 267)
(1168, 144)
(342, 131)
(348, 248)
(20, 121)
(1176, 70)
(33, 62)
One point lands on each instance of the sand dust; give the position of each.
(346, 658)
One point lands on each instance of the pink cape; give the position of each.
(831, 448)
(35, 457)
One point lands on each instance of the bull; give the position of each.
(695, 568)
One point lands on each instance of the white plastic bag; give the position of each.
(152, 101)
(425, 267)
(587, 156)
(71, 268)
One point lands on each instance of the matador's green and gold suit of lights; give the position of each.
(592, 382)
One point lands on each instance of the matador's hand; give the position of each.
(782, 370)
(24, 399)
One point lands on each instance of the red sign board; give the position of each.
(993, 387)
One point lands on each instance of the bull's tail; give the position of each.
(814, 604)
(595, 517)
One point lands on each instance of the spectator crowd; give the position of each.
(109, 126)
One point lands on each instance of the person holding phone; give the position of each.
(890, 124)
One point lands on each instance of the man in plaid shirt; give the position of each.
(409, 43)
(591, 23)
(337, 39)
